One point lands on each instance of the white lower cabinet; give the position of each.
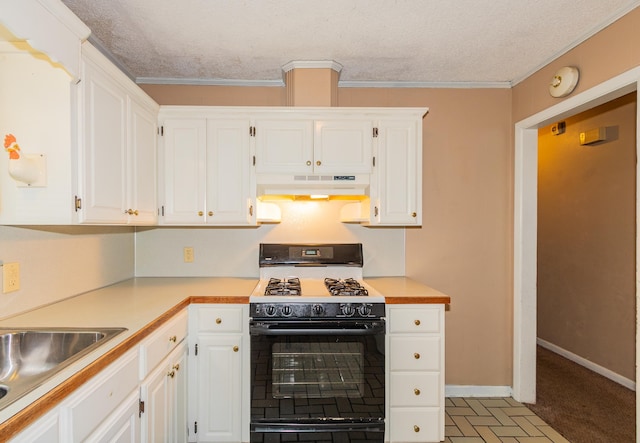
(140, 397)
(164, 395)
(219, 373)
(415, 368)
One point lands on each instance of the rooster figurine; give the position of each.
(21, 169)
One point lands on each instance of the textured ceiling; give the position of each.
(472, 42)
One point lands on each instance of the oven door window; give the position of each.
(317, 370)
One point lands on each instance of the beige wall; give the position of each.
(610, 52)
(586, 237)
(463, 246)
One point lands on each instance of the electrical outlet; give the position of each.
(188, 254)
(10, 277)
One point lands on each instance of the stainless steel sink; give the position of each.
(28, 357)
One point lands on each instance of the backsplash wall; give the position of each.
(233, 252)
(63, 261)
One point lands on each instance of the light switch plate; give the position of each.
(10, 277)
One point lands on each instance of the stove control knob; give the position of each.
(287, 311)
(317, 310)
(364, 310)
(270, 310)
(347, 310)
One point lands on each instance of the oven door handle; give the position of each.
(309, 328)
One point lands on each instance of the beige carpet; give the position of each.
(581, 405)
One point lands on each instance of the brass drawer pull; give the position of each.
(416, 322)
(171, 374)
(200, 213)
(218, 320)
(416, 428)
(416, 356)
(210, 213)
(173, 339)
(176, 366)
(318, 163)
(308, 162)
(416, 391)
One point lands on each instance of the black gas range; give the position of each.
(317, 347)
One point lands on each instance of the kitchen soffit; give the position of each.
(490, 43)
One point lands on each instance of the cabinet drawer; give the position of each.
(102, 395)
(161, 342)
(415, 425)
(414, 353)
(414, 320)
(415, 389)
(220, 319)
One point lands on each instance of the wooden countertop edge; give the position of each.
(48, 401)
(419, 300)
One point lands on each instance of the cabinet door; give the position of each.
(397, 194)
(343, 147)
(162, 393)
(184, 171)
(123, 425)
(284, 146)
(142, 165)
(103, 149)
(219, 391)
(178, 398)
(45, 430)
(230, 195)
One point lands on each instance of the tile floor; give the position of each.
(495, 420)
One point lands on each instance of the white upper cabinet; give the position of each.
(284, 145)
(313, 144)
(117, 146)
(396, 185)
(343, 146)
(207, 173)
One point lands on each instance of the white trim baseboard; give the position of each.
(477, 391)
(627, 383)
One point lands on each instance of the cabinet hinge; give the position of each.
(254, 160)
(195, 427)
(196, 350)
(78, 203)
(161, 131)
(140, 408)
(374, 161)
(162, 210)
(375, 132)
(252, 131)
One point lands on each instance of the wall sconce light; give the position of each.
(564, 81)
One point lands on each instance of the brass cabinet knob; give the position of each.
(173, 339)
(210, 213)
(416, 356)
(414, 214)
(416, 322)
(308, 162)
(171, 374)
(318, 163)
(218, 320)
(416, 428)
(416, 391)
(236, 349)
(200, 213)
(131, 211)
(176, 366)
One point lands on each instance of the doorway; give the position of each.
(525, 225)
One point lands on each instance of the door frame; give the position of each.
(525, 224)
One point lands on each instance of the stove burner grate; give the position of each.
(346, 287)
(286, 286)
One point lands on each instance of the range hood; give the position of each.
(282, 184)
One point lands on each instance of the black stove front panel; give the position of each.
(306, 310)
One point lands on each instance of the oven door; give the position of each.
(320, 377)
